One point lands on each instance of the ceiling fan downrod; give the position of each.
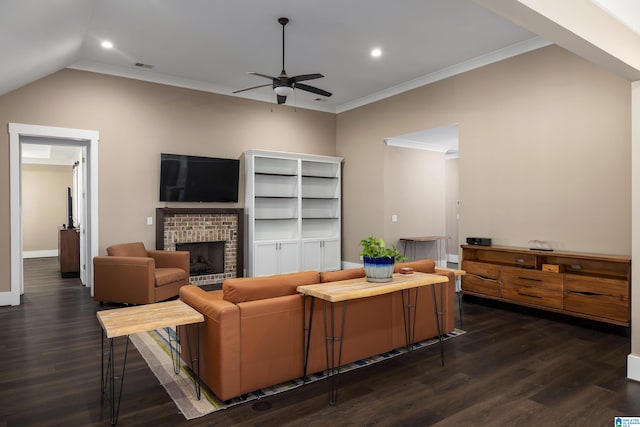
(283, 21)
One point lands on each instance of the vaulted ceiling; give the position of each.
(211, 44)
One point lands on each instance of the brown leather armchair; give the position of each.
(131, 274)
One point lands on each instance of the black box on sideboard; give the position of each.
(479, 241)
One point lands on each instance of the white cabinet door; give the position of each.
(321, 255)
(331, 255)
(265, 259)
(275, 258)
(289, 254)
(312, 255)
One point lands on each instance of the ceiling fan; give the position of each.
(284, 85)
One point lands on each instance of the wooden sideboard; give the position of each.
(69, 252)
(590, 286)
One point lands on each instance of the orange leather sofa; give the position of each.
(131, 274)
(253, 334)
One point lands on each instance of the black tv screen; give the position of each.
(198, 179)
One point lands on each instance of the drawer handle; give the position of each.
(530, 296)
(520, 260)
(531, 279)
(576, 267)
(482, 277)
(585, 293)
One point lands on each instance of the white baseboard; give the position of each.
(8, 298)
(633, 367)
(346, 265)
(40, 254)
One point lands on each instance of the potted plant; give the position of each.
(378, 259)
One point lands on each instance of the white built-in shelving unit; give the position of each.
(292, 203)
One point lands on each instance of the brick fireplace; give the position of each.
(220, 227)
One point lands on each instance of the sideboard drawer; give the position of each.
(481, 285)
(533, 278)
(608, 298)
(533, 295)
(488, 271)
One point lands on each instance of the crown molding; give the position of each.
(480, 61)
(150, 76)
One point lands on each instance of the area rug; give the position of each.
(154, 346)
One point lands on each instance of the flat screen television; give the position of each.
(198, 179)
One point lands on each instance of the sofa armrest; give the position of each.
(171, 259)
(455, 271)
(219, 340)
(123, 279)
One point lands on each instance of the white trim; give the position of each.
(47, 253)
(633, 367)
(150, 76)
(87, 138)
(472, 64)
(267, 96)
(8, 298)
(416, 145)
(455, 259)
(347, 265)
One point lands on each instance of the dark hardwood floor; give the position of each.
(511, 368)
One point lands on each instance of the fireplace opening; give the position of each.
(205, 257)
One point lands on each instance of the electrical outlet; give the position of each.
(394, 218)
(149, 220)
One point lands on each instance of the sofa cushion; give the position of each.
(167, 276)
(423, 265)
(334, 276)
(128, 249)
(244, 289)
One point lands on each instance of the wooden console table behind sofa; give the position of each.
(584, 285)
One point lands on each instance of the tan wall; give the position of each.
(139, 120)
(414, 190)
(44, 204)
(544, 153)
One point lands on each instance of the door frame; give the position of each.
(81, 137)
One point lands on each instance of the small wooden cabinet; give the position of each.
(585, 285)
(69, 252)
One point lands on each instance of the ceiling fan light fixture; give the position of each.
(283, 90)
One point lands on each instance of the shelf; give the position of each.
(276, 219)
(277, 197)
(288, 197)
(319, 177)
(319, 217)
(275, 174)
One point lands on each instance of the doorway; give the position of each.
(86, 141)
(437, 175)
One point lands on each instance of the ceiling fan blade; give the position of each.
(304, 77)
(281, 99)
(263, 75)
(312, 89)
(253, 87)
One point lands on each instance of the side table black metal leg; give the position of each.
(109, 379)
(308, 329)
(333, 369)
(437, 316)
(195, 361)
(174, 349)
(409, 319)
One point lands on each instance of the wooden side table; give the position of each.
(121, 322)
(345, 290)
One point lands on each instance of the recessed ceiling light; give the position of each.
(106, 44)
(376, 52)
